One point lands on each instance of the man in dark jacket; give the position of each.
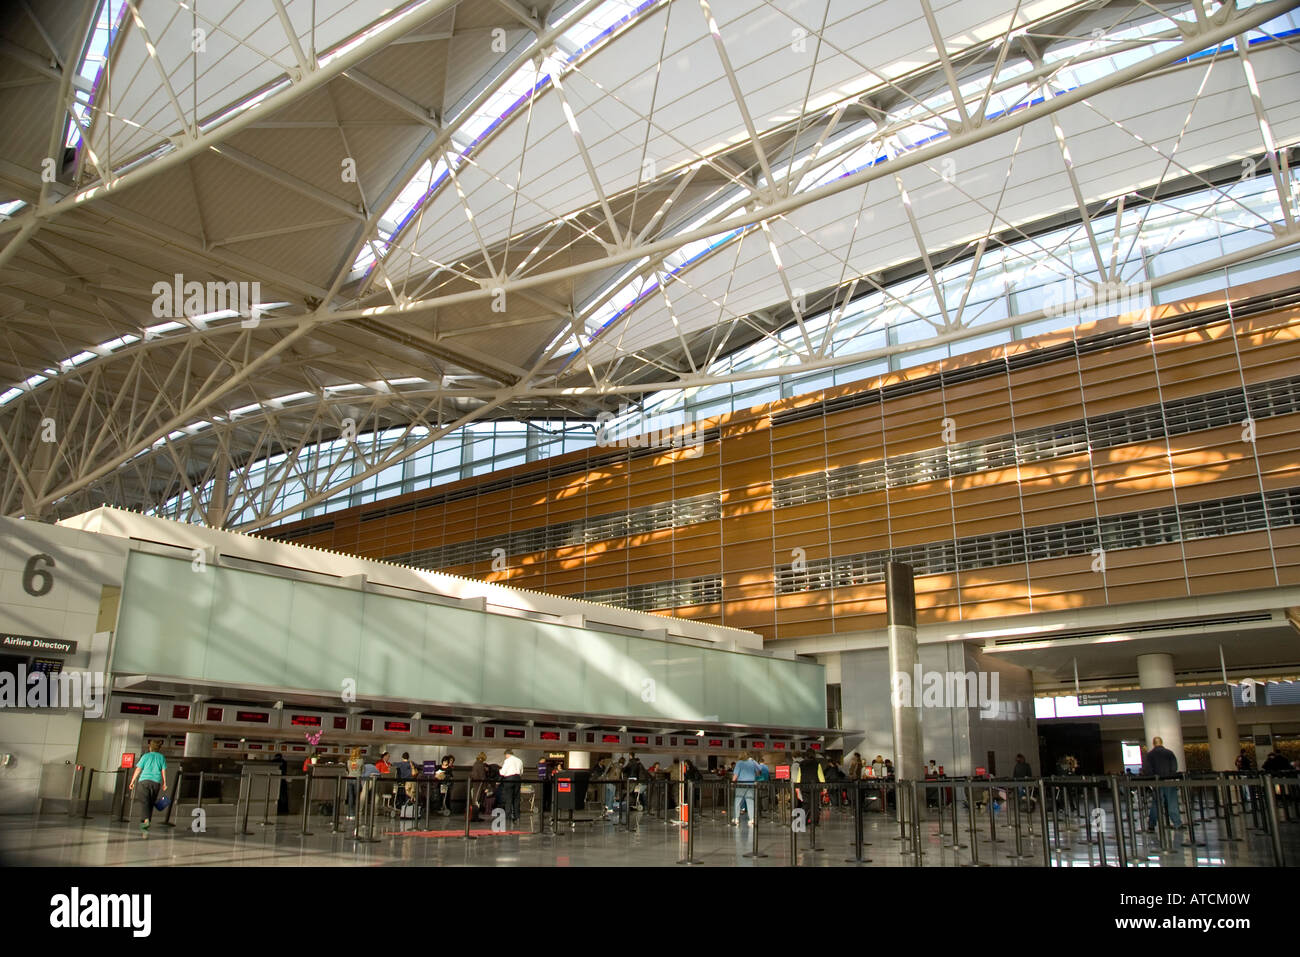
(1160, 762)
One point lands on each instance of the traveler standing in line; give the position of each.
(151, 775)
(611, 773)
(477, 780)
(878, 767)
(855, 767)
(1022, 770)
(634, 772)
(807, 771)
(764, 775)
(512, 770)
(445, 775)
(1160, 762)
(744, 773)
(405, 774)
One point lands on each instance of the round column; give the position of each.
(198, 745)
(1221, 728)
(1160, 719)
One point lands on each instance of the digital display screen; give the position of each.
(658, 740)
(779, 745)
(440, 729)
(300, 747)
(214, 714)
(815, 746)
(254, 747)
(252, 717)
(402, 726)
(367, 724)
(139, 707)
(340, 724)
(673, 742)
(306, 720)
(690, 742)
(181, 712)
(231, 744)
(640, 739)
(513, 733)
(758, 745)
(467, 730)
(573, 736)
(489, 732)
(715, 742)
(591, 737)
(49, 666)
(550, 736)
(610, 739)
(731, 743)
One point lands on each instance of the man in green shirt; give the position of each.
(151, 775)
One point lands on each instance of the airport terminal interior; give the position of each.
(750, 433)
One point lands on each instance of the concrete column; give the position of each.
(904, 665)
(578, 760)
(1161, 718)
(198, 745)
(1221, 728)
(1258, 732)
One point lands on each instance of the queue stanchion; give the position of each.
(1013, 796)
(1042, 818)
(916, 824)
(374, 810)
(469, 809)
(306, 803)
(266, 803)
(974, 836)
(1087, 818)
(956, 834)
(335, 806)
(199, 803)
(1185, 791)
(1121, 852)
(1270, 808)
(816, 813)
(245, 798)
(122, 786)
(993, 824)
(794, 832)
(857, 857)
(1162, 826)
(753, 826)
(688, 836)
(90, 789)
(176, 794)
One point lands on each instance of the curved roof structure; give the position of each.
(239, 232)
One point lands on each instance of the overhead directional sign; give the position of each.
(1154, 695)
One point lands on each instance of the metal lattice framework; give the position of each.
(676, 144)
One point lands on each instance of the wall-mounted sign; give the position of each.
(49, 646)
(1154, 695)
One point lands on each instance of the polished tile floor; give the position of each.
(62, 841)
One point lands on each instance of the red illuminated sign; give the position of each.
(231, 744)
(513, 733)
(782, 772)
(550, 736)
(300, 747)
(758, 745)
(715, 742)
(254, 747)
(815, 746)
(139, 707)
(564, 787)
(640, 739)
(440, 729)
(181, 712)
(214, 714)
(128, 761)
(610, 739)
(403, 727)
(253, 717)
(779, 745)
(690, 742)
(308, 721)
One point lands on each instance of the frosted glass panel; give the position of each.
(324, 637)
(509, 659)
(163, 630)
(453, 655)
(392, 648)
(243, 627)
(249, 629)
